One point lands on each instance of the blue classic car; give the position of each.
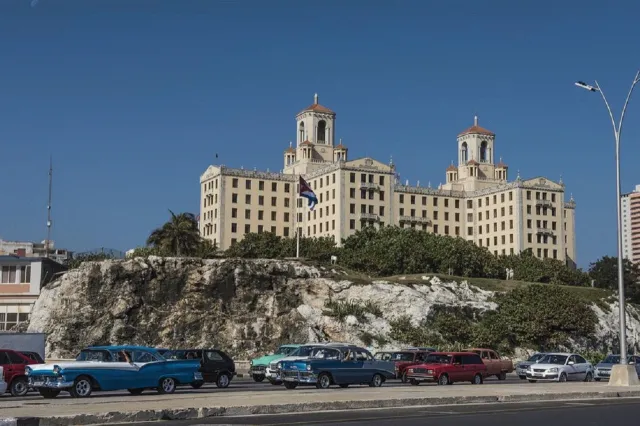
(108, 368)
(342, 366)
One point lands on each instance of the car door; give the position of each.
(582, 366)
(351, 367)
(213, 362)
(572, 368)
(456, 374)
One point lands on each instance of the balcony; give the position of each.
(415, 219)
(545, 231)
(544, 203)
(369, 216)
(369, 186)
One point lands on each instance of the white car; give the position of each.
(272, 372)
(3, 384)
(560, 367)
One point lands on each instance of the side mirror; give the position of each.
(570, 363)
(631, 362)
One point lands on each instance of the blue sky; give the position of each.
(133, 98)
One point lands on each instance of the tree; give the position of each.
(604, 272)
(178, 237)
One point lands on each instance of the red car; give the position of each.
(404, 358)
(13, 363)
(446, 368)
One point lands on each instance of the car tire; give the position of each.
(502, 376)
(19, 386)
(443, 380)
(136, 391)
(588, 377)
(477, 379)
(290, 385)
(403, 378)
(324, 381)
(223, 380)
(82, 387)
(562, 378)
(414, 382)
(523, 377)
(258, 378)
(376, 381)
(275, 382)
(533, 381)
(166, 385)
(48, 393)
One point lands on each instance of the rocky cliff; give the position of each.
(244, 306)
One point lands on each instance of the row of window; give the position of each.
(11, 319)
(261, 185)
(260, 229)
(15, 274)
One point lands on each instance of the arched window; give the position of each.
(483, 151)
(301, 133)
(463, 153)
(322, 129)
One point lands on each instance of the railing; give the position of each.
(418, 219)
(545, 231)
(544, 203)
(369, 216)
(369, 185)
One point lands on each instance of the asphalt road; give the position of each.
(247, 384)
(565, 413)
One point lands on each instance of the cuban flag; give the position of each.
(307, 192)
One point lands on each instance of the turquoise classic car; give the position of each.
(258, 368)
(109, 368)
(341, 366)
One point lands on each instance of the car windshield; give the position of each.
(285, 350)
(535, 357)
(304, 350)
(394, 356)
(438, 359)
(92, 355)
(612, 359)
(554, 359)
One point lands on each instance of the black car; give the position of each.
(216, 366)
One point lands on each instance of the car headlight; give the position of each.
(27, 370)
(251, 363)
(553, 370)
(56, 369)
(429, 371)
(308, 367)
(411, 370)
(279, 365)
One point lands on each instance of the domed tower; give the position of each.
(340, 152)
(477, 143)
(452, 173)
(316, 124)
(289, 156)
(501, 171)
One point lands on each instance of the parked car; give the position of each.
(339, 365)
(496, 365)
(215, 365)
(258, 368)
(109, 368)
(3, 384)
(13, 363)
(561, 367)
(446, 368)
(403, 359)
(603, 368)
(523, 366)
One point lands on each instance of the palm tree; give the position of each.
(179, 236)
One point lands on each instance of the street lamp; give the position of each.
(631, 376)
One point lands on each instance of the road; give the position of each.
(568, 413)
(246, 384)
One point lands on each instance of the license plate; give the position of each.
(605, 373)
(38, 383)
(290, 379)
(538, 374)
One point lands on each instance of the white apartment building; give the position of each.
(631, 225)
(29, 249)
(477, 202)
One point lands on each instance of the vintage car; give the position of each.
(303, 352)
(215, 365)
(603, 368)
(523, 366)
(109, 368)
(340, 365)
(258, 368)
(560, 367)
(404, 358)
(496, 365)
(446, 368)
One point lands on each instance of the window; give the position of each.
(352, 193)
(234, 227)
(247, 199)
(352, 178)
(213, 356)
(25, 274)
(261, 185)
(247, 229)
(8, 275)
(261, 200)
(234, 198)
(247, 214)
(274, 186)
(446, 202)
(248, 184)
(402, 198)
(234, 183)
(287, 187)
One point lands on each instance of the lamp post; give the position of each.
(617, 130)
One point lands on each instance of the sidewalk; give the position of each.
(187, 405)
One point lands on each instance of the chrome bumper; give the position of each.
(50, 382)
(272, 374)
(258, 371)
(603, 375)
(298, 376)
(542, 376)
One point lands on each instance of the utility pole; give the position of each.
(46, 246)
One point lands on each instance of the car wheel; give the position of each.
(589, 377)
(563, 377)
(197, 385)
(81, 387)
(324, 381)
(258, 378)
(477, 379)
(376, 381)
(137, 391)
(19, 386)
(523, 377)
(443, 379)
(502, 376)
(290, 385)
(166, 385)
(414, 382)
(48, 393)
(223, 380)
(344, 385)
(533, 381)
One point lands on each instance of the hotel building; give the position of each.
(631, 225)
(478, 202)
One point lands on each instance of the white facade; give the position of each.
(631, 225)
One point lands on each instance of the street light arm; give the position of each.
(613, 121)
(626, 102)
